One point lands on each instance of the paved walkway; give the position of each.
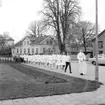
(86, 98)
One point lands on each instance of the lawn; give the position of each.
(20, 81)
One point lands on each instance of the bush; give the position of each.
(18, 59)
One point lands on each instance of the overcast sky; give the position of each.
(16, 15)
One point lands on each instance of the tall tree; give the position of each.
(35, 29)
(6, 35)
(85, 32)
(60, 15)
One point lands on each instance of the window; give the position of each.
(32, 50)
(17, 50)
(49, 49)
(100, 52)
(100, 44)
(24, 51)
(44, 50)
(20, 51)
(28, 50)
(37, 50)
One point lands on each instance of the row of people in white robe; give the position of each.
(47, 60)
(57, 61)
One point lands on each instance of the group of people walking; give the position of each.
(82, 63)
(63, 61)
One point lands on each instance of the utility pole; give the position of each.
(0, 3)
(97, 68)
(84, 40)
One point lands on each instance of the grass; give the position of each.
(37, 75)
(33, 82)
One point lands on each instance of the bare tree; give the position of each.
(6, 35)
(85, 32)
(60, 15)
(2, 41)
(4, 48)
(35, 29)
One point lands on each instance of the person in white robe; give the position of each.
(63, 57)
(82, 63)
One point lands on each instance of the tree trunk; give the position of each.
(84, 41)
(63, 48)
(85, 49)
(59, 41)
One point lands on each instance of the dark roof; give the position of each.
(34, 40)
(18, 43)
(38, 40)
(10, 39)
(99, 35)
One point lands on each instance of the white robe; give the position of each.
(82, 63)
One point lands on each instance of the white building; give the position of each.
(35, 45)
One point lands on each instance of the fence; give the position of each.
(6, 59)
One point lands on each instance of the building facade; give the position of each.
(35, 45)
(101, 43)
